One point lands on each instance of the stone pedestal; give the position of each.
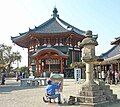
(96, 95)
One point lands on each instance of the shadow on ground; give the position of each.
(78, 105)
(14, 87)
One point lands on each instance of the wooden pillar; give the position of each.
(40, 67)
(73, 55)
(97, 71)
(49, 69)
(58, 41)
(28, 58)
(34, 47)
(61, 65)
(80, 54)
(118, 66)
(37, 66)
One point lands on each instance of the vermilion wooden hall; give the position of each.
(52, 46)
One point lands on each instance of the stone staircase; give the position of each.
(96, 95)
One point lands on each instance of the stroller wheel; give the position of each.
(45, 100)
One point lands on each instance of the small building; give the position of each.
(52, 46)
(112, 57)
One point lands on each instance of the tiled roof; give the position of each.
(115, 50)
(47, 49)
(63, 49)
(116, 41)
(53, 25)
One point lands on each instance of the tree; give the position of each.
(22, 69)
(7, 57)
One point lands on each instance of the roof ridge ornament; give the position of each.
(30, 29)
(55, 11)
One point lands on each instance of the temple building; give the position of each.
(112, 57)
(52, 46)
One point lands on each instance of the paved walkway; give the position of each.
(12, 95)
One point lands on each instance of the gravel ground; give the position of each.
(13, 95)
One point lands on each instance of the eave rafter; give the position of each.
(33, 39)
(47, 56)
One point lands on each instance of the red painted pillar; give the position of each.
(37, 67)
(61, 66)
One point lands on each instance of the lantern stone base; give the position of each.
(96, 95)
(101, 104)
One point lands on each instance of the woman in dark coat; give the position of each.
(3, 79)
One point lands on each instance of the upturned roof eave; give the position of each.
(116, 41)
(19, 38)
(22, 35)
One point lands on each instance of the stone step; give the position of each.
(86, 99)
(92, 93)
(100, 104)
(90, 88)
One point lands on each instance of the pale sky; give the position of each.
(100, 16)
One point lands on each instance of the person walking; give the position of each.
(116, 77)
(113, 77)
(99, 75)
(3, 79)
(103, 75)
(109, 77)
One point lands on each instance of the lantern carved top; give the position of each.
(88, 44)
(90, 39)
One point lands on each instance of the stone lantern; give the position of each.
(88, 55)
(93, 94)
